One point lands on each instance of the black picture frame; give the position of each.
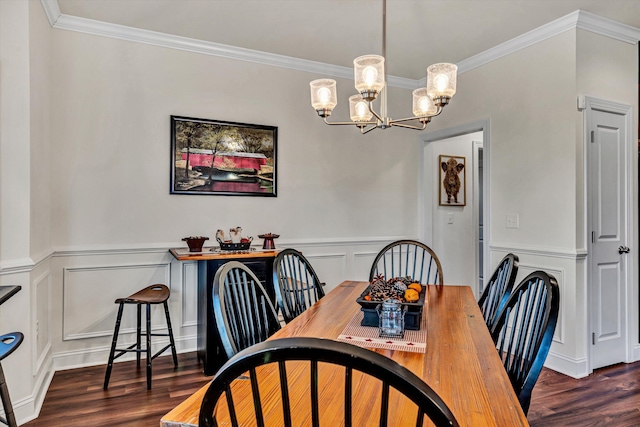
(213, 157)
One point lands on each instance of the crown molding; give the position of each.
(578, 19)
(52, 10)
(607, 27)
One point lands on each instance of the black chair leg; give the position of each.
(107, 375)
(173, 343)
(138, 335)
(148, 346)
(6, 401)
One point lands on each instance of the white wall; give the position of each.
(110, 129)
(537, 161)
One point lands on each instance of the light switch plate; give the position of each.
(513, 221)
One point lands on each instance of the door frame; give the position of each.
(588, 104)
(426, 184)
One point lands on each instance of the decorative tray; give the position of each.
(240, 246)
(412, 317)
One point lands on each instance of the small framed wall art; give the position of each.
(216, 157)
(453, 188)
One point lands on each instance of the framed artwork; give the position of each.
(453, 188)
(216, 157)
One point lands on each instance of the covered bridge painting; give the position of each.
(214, 157)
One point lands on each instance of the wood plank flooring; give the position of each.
(608, 397)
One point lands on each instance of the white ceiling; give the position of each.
(419, 32)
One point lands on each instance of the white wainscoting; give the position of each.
(89, 293)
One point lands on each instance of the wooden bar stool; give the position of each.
(8, 344)
(154, 294)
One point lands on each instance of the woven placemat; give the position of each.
(367, 336)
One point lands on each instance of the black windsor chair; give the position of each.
(408, 258)
(296, 283)
(243, 311)
(498, 289)
(314, 350)
(524, 329)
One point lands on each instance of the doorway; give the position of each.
(457, 233)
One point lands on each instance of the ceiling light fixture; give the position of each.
(370, 81)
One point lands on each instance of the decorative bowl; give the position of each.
(195, 243)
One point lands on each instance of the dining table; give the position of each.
(457, 359)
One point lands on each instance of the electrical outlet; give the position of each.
(513, 221)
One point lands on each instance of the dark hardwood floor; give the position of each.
(608, 397)
(76, 399)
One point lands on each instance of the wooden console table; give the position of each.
(259, 261)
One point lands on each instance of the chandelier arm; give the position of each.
(377, 116)
(362, 131)
(404, 125)
(350, 123)
(408, 119)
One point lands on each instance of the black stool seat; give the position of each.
(8, 344)
(154, 294)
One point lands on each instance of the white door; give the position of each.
(608, 172)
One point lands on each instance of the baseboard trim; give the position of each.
(99, 355)
(576, 368)
(29, 408)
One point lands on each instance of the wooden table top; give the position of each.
(461, 363)
(183, 254)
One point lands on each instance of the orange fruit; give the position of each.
(411, 295)
(416, 286)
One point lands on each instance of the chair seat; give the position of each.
(9, 342)
(154, 294)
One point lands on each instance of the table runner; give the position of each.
(367, 336)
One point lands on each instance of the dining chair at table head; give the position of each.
(498, 288)
(524, 329)
(242, 309)
(408, 258)
(296, 283)
(355, 360)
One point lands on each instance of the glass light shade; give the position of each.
(323, 94)
(359, 109)
(368, 73)
(423, 105)
(441, 80)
